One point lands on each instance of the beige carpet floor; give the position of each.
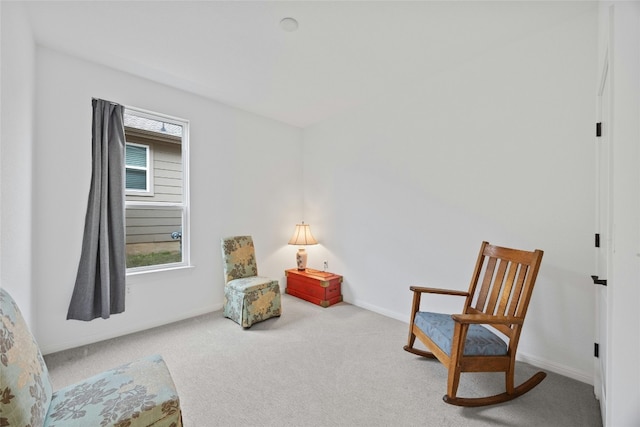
(314, 366)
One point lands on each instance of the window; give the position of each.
(156, 191)
(138, 174)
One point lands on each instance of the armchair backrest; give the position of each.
(239, 259)
(502, 284)
(25, 388)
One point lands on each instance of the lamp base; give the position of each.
(301, 259)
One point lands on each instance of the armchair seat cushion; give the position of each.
(247, 307)
(251, 284)
(480, 340)
(138, 393)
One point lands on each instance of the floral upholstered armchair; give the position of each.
(141, 393)
(248, 298)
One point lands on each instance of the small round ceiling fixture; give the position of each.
(289, 24)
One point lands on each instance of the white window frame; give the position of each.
(184, 206)
(149, 171)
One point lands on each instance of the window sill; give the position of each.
(159, 270)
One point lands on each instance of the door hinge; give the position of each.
(597, 240)
(598, 281)
(599, 129)
(596, 349)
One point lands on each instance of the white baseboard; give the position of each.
(49, 348)
(585, 377)
(388, 313)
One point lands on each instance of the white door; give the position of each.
(603, 234)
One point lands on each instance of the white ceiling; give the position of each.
(344, 53)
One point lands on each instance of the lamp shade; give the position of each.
(302, 236)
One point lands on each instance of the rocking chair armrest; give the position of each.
(486, 319)
(439, 291)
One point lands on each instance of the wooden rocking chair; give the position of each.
(461, 342)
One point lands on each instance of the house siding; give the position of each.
(152, 226)
(147, 226)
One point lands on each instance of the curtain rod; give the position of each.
(105, 100)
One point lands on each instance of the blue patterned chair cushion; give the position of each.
(25, 388)
(247, 307)
(138, 393)
(480, 340)
(250, 284)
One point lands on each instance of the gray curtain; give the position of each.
(100, 283)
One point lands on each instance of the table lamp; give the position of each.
(302, 236)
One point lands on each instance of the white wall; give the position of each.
(16, 137)
(402, 191)
(241, 183)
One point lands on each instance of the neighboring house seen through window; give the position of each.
(156, 191)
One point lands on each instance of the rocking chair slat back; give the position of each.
(486, 282)
(507, 293)
(496, 286)
(506, 279)
(517, 292)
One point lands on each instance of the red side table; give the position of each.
(319, 287)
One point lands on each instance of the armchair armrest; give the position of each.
(486, 319)
(439, 291)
